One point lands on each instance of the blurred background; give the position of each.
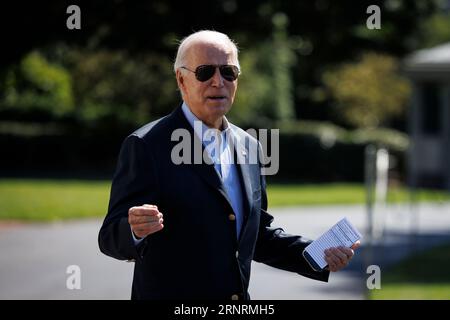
(363, 114)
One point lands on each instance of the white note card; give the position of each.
(342, 234)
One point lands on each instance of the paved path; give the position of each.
(34, 257)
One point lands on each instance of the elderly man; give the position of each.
(215, 220)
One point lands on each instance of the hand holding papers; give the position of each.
(342, 234)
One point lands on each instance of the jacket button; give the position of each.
(231, 217)
(237, 254)
(234, 297)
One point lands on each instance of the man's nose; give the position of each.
(217, 80)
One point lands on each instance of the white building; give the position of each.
(429, 117)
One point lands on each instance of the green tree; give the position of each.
(369, 92)
(265, 85)
(37, 84)
(436, 29)
(112, 84)
(282, 62)
(254, 102)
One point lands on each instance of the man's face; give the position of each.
(212, 99)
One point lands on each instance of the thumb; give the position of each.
(356, 245)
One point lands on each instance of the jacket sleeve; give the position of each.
(278, 249)
(134, 184)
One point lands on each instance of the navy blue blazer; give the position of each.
(197, 254)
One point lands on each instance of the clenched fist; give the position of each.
(145, 220)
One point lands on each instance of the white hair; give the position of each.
(204, 36)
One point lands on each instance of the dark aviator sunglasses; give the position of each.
(206, 71)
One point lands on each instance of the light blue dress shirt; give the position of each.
(223, 162)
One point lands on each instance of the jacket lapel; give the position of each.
(243, 165)
(211, 177)
(244, 170)
(206, 171)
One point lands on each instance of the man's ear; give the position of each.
(180, 81)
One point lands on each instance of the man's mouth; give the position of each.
(217, 98)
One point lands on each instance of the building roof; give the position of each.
(432, 61)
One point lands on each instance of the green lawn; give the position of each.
(62, 199)
(52, 199)
(338, 193)
(423, 276)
